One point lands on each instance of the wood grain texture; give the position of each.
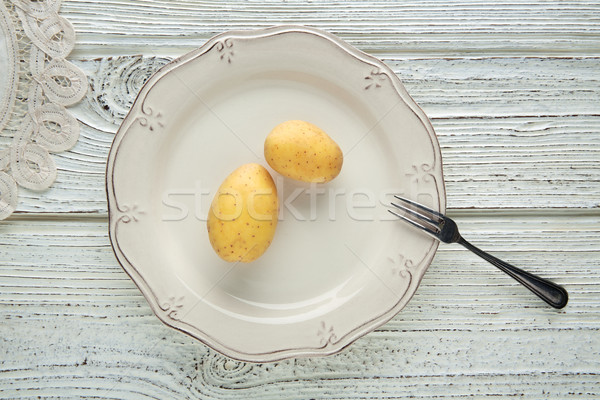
(414, 28)
(513, 92)
(74, 325)
(512, 88)
(530, 137)
(525, 101)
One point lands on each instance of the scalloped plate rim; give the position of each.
(138, 278)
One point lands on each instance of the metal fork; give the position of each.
(445, 230)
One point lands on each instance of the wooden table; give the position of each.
(512, 89)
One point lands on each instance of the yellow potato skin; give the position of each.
(302, 151)
(243, 215)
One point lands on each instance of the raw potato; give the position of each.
(302, 151)
(243, 214)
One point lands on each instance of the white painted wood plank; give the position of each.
(74, 324)
(514, 132)
(407, 27)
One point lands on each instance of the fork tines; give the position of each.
(422, 217)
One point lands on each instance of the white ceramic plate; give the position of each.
(339, 265)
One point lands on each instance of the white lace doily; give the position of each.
(36, 84)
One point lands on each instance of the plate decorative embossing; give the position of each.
(338, 267)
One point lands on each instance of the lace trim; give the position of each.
(40, 84)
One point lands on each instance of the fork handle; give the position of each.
(550, 292)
